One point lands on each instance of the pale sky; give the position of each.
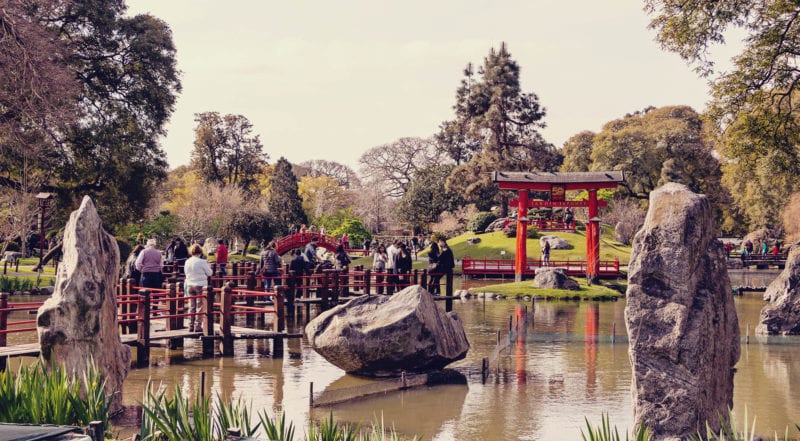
(331, 79)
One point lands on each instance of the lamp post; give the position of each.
(41, 200)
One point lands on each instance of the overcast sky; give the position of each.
(331, 79)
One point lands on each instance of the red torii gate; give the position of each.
(557, 184)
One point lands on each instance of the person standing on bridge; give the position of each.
(149, 263)
(764, 248)
(310, 254)
(443, 267)
(345, 241)
(197, 273)
(270, 265)
(342, 259)
(322, 230)
(222, 257)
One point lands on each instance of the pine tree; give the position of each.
(284, 202)
(493, 112)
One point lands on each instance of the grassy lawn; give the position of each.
(526, 289)
(492, 244)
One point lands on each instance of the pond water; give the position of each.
(564, 366)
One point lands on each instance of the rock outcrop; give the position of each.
(384, 335)
(680, 316)
(782, 315)
(556, 243)
(79, 322)
(554, 278)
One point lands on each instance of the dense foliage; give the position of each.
(284, 203)
(493, 112)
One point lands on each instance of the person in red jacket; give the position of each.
(222, 258)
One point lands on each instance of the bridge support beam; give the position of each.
(593, 240)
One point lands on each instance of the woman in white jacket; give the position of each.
(197, 273)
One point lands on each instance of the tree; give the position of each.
(226, 151)
(344, 175)
(97, 133)
(657, 146)
(495, 113)
(754, 104)
(322, 195)
(392, 165)
(577, 152)
(427, 198)
(251, 224)
(284, 203)
(346, 221)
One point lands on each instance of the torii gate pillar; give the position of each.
(521, 258)
(593, 240)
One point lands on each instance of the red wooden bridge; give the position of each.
(299, 240)
(503, 267)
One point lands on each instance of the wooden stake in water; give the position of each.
(311, 394)
(202, 384)
(747, 335)
(613, 332)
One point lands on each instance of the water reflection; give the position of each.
(562, 365)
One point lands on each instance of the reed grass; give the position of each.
(179, 418)
(606, 432)
(36, 395)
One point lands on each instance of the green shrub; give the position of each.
(510, 231)
(479, 222)
(604, 432)
(12, 284)
(532, 232)
(124, 250)
(36, 395)
(253, 250)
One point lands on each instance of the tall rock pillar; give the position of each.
(79, 321)
(680, 316)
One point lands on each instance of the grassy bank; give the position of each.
(587, 292)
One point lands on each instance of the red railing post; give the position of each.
(208, 338)
(367, 281)
(143, 331)
(226, 321)
(250, 300)
(280, 309)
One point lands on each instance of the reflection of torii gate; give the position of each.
(557, 184)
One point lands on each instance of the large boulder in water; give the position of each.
(782, 314)
(680, 316)
(384, 335)
(79, 322)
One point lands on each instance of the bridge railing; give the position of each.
(485, 266)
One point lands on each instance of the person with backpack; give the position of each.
(270, 265)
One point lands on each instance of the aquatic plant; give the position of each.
(605, 432)
(12, 284)
(179, 418)
(728, 431)
(36, 395)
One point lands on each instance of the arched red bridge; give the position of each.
(299, 240)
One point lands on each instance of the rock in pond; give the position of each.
(384, 335)
(680, 316)
(554, 278)
(79, 322)
(782, 315)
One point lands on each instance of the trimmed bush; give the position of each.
(479, 222)
(532, 232)
(510, 231)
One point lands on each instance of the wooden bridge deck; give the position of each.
(237, 332)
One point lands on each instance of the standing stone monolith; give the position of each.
(79, 322)
(782, 315)
(681, 321)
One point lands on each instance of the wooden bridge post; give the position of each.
(344, 290)
(3, 324)
(333, 297)
(143, 331)
(234, 269)
(367, 281)
(227, 320)
(448, 303)
(251, 286)
(415, 277)
(323, 293)
(208, 340)
(173, 322)
(290, 281)
(280, 308)
(379, 278)
(424, 278)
